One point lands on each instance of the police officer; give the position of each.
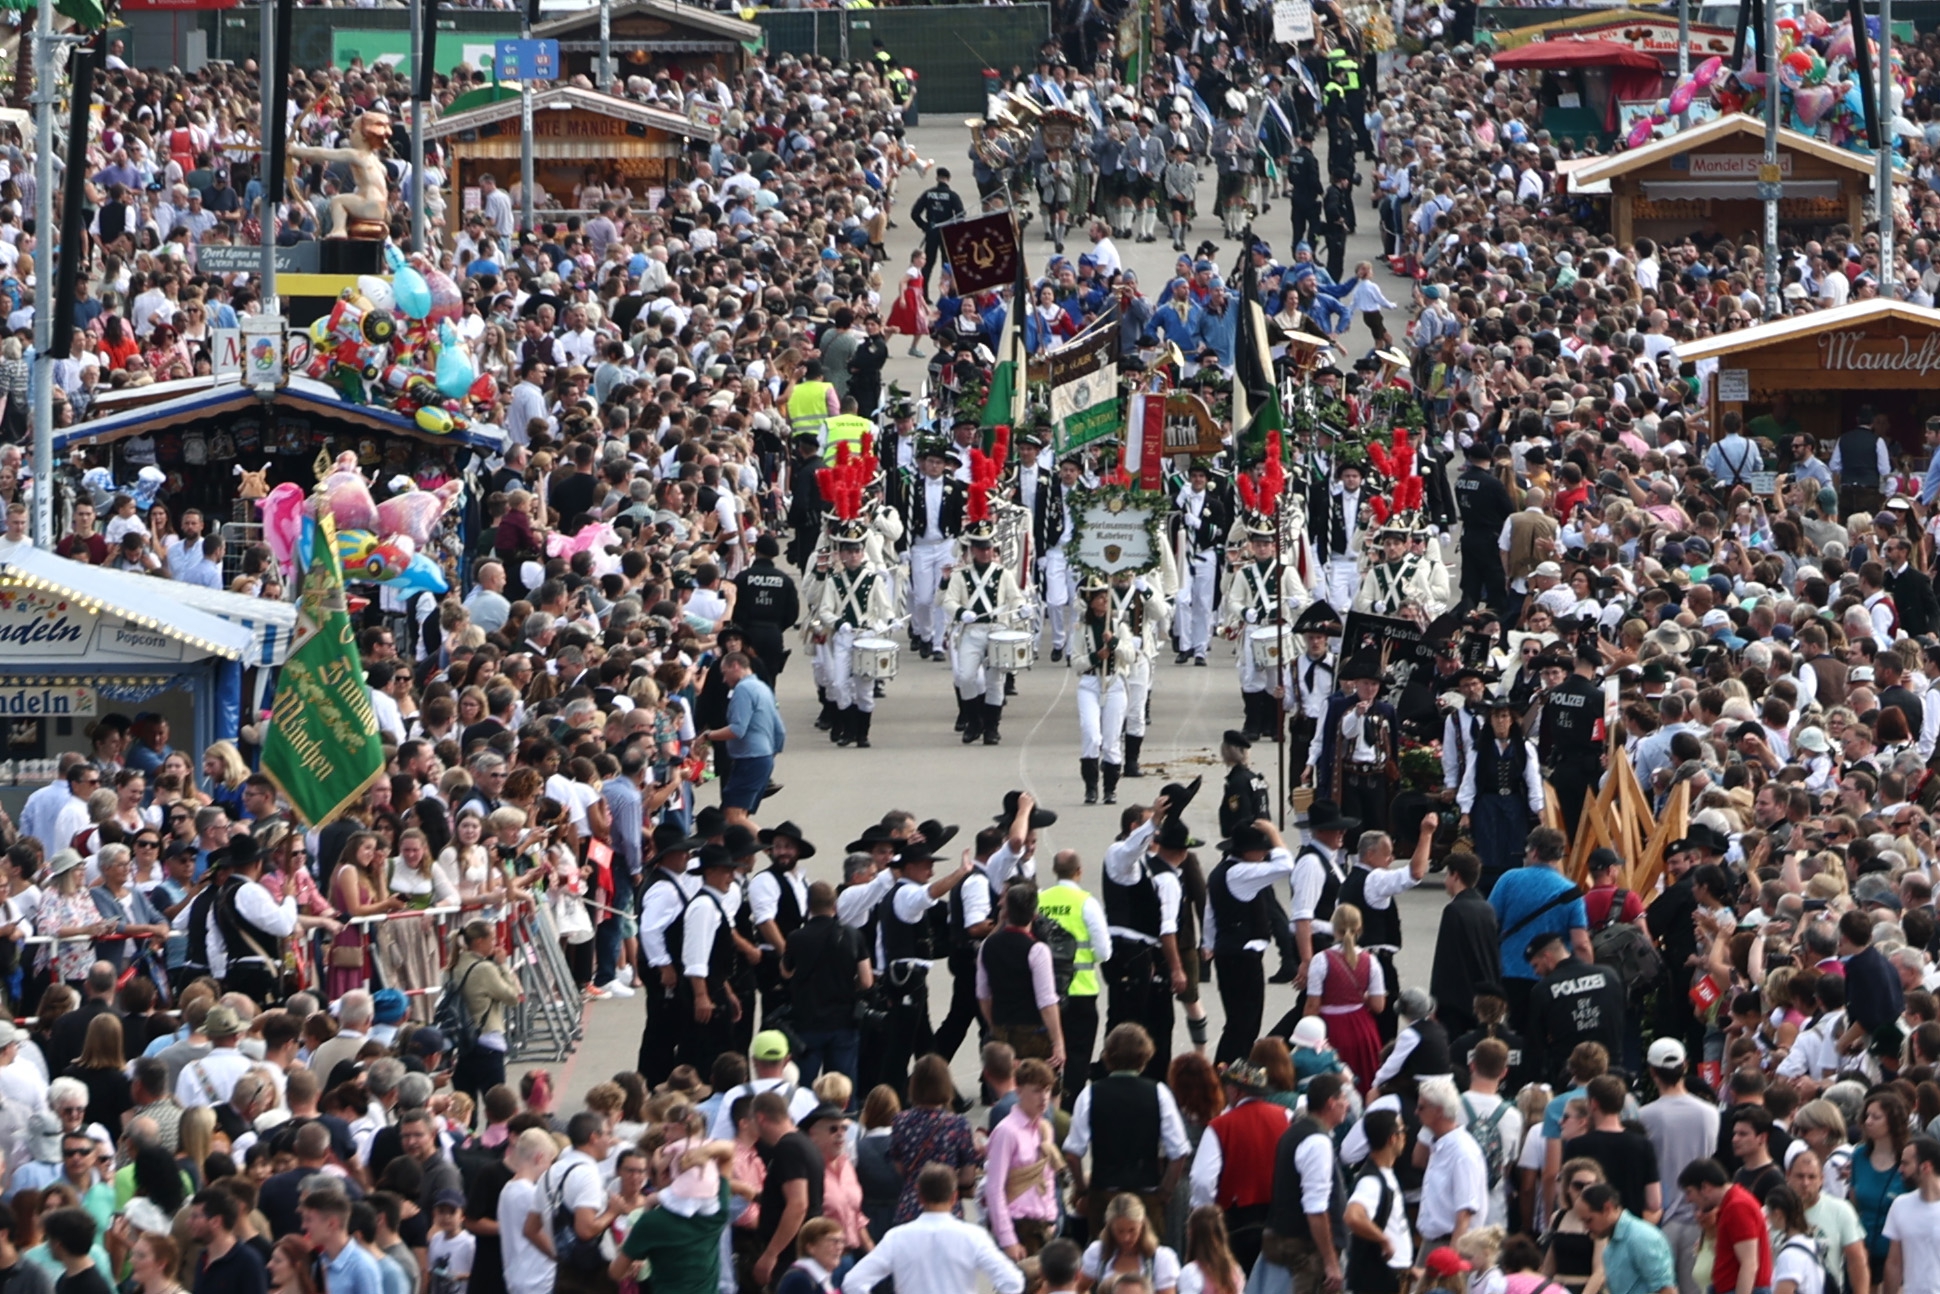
(1307, 189)
(935, 207)
(1575, 1001)
(1337, 222)
(1246, 797)
(805, 501)
(766, 603)
(1485, 507)
(1566, 736)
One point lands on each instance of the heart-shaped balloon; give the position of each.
(1812, 102)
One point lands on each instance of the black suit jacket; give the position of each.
(1468, 951)
(1914, 598)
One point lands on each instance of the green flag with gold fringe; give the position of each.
(323, 750)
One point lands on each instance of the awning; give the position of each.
(271, 625)
(1570, 55)
(1734, 190)
(144, 600)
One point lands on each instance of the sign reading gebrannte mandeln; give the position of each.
(1855, 352)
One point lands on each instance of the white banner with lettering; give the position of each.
(38, 627)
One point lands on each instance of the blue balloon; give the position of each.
(421, 576)
(412, 292)
(306, 544)
(455, 373)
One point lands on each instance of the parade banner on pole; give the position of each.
(982, 252)
(323, 750)
(1145, 440)
(1084, 388)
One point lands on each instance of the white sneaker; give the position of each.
(614, 988)
(626, 975)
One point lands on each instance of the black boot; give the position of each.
(1132, 747)
(1088, 769)
(826, 720)
(973, 720)
(1250, 725)
(1010, 685)
(1111, 783)
(861, 730)
(844, 722)
(993, 716)
(963, 714)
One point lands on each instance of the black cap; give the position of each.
(872, 835)
(740, 843)
(1325, 815)
(1236, 739)
(668, 838)
(1172, 834)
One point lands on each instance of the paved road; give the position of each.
(917, 763)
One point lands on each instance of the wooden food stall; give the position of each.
(653, 36)
(574, 132)
(1707, 177)
(1831, 364)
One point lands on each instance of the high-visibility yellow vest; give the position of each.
(1346, 69)
(1065, 904)
(808, 408)
(847, 427)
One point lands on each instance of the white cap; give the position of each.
(1310, 1032)
(1550, 569)
(1666, 1053)
(1713, 619)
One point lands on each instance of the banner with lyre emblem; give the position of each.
(982, 251)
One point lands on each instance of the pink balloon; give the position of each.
(1640, 133)
(410, 514)
(282, 513)
(1707, 72)
(1681, 97)
(446, 301)
(1812, 102)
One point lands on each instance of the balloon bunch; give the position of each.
(1819, 88)
(391, 342)
(378, 542)
(596, 539)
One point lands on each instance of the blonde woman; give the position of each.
(223, 774)
(1346, 988)
(1129, 1245)
(409, 947)
(68, 913)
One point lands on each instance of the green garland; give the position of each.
(1114, 498)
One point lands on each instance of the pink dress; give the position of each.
(1351, 1030)
(339, 980)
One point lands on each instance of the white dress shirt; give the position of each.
(1532, 777)
(1125, 865)
(1456, 1180)
(908, 902)
(934, 1251)
(1310, 871)
(211, 1080)
(254, 905)
(703, 919)
(854, 905)
(764, 896)
(1007, 864)
(661, 906)
(1246, 880)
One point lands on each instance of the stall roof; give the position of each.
(728, 28)
(1808, 325)
(1596, 18)
(1570, 53)
(565, 97)
(300, 393)
(1718, 128)
(271, 625)
(134, 598)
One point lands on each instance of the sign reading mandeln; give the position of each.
(1084, 388)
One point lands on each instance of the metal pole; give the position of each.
(1889, 281)
(45, 92)
(1684, 53)
(271, 128)
(606, 46)
(525, 153)
(417, 129)
(1768, 50)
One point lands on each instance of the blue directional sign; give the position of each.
(527, 60)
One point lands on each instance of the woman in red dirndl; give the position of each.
(911, 313)
(1346, 989)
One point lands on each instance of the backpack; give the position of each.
(1064, 953)
(1624, 948)
(453, 1016)
(1488, 1135)
(572, 1251)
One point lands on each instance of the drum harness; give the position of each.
(853, 589)
(1391, 579)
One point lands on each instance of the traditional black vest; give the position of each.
(956, 936)
(720, 957)
(1241, 921)
(904, 940)
(1859, 457)
(1287, 1215)
(242, 937)
(1500, 774)
(788, 913)
(1127, 1156)
(1007, 966)
(1329, 888)
(1380, 928)
(1134, 906)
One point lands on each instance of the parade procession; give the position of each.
(1368, 706)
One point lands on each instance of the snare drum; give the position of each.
(1009, 649)
(1263, 641)
(872, 658)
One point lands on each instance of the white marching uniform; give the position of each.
(855, 604)
(976, 601)
(929, 553)
(879, 553)
(1252, 599)
(1102, 694)
(1388, 584)
(1199, 580)
(1060, 586)
(1147, 616)
(1343, 572)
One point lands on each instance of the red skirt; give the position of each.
(910, 315)
(1355, 1038)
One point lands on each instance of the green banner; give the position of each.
(1098, 422)
(323, 749)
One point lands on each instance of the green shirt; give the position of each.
(685, 1253)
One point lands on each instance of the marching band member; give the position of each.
(1340, 534)
(1146, 613)
(857, 602)
(934, 504)
(1059, 584)
(1203, 520)
(981, 596)
(1308, 681)
(1103, 654)
(1400, 576)
(1263, 591)
(1421, 543)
